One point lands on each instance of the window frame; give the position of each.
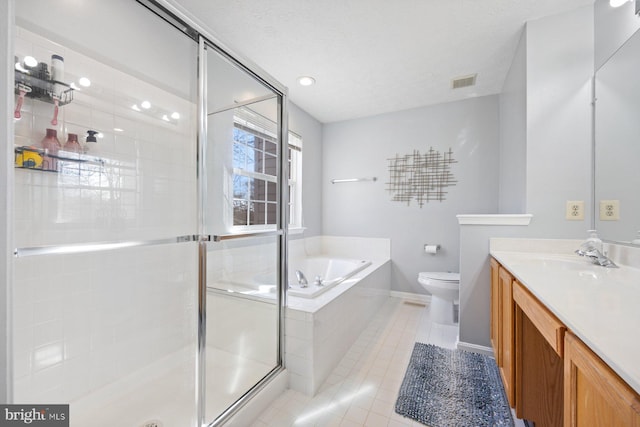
(294, 159)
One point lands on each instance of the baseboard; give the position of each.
(488, 351)
(409, 296)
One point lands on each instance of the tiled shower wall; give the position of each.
(83, 321)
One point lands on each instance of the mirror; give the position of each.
(617, 145)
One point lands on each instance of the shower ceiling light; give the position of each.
(618, 3)
(145, 104)
(30, 61)
(84, 82)
(175, 115)
(306, 80)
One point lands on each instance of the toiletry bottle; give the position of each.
(51, 146)
(72, 144)
(42, 74)
(594, 240)
(57, 68)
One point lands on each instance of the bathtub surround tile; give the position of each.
(325, 327)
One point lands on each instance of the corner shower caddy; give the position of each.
(78, 158)
(43, 90)
(52, 92)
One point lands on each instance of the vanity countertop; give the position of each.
(599, 305)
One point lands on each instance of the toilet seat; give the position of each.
(440, 276)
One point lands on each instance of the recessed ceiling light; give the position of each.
(175, 115)
(145, 104)
(306, 80)
(85, 82)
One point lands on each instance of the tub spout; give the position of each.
(302, 281)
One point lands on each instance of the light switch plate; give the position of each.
(575, 210)
(609, 210)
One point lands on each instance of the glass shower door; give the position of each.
(242, 214)
(105, 287)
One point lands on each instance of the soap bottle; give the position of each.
(51, 146)
(91, 137)
(594, 241)
(72, 144)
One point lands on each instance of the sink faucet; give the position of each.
(588, 250)
(302, 281)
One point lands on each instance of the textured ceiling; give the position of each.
(375, 56)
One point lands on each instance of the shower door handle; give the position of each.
(223, 237)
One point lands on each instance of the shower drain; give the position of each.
(152, 423)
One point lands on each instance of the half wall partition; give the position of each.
(149, 226)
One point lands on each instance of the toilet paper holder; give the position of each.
(431, 249)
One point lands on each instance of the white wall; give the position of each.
(475, 280)
(558, 70)
(301, 123)
(361, 149)
(613, 26)
(513, 134)
(559, 138)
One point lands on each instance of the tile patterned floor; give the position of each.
(362, 389)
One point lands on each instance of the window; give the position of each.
(255, 181)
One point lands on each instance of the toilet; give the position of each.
(444, 289)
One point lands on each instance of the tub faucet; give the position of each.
(588, 250)
(302, 281)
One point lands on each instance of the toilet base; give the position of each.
(441, 311)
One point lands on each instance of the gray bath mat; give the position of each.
(452, 388)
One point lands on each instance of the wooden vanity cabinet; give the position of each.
(539, 372)
(550, 376)
(594, 395)
(502, 324)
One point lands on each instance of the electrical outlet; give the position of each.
(609, 210)
(575, 210)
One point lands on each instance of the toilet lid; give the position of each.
(442, 276)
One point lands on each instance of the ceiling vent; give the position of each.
(465, 81)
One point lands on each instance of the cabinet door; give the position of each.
(593, 394)
(495, 311)
(539, 343)
(505, 282)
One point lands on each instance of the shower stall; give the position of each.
(147, 184)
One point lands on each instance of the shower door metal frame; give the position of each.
(178, 19)
(281, 232)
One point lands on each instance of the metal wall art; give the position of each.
(421, 177)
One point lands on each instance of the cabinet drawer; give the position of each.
(549, 326)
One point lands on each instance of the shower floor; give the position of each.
(166, 393)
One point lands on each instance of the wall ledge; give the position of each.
(494, 219)
(474, 348)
